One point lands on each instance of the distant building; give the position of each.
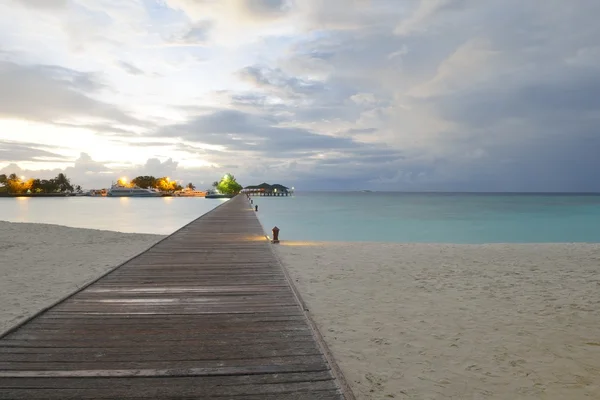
(265, 189)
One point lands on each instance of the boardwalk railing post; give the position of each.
(275, 235)
(256, 207)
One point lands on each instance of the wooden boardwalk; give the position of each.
(207, 313)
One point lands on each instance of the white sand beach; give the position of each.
(40, 264)
(420, 321)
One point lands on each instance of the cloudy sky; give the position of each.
(455, 95)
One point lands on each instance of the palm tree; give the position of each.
(63, 183)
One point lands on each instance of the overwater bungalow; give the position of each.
(265, 189)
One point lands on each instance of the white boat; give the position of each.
(215, 194)
(117, 190)
(187, 192)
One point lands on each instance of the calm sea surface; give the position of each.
(162, 215)
(385, 217)
(433, 218)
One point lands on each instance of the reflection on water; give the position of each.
(124, 214)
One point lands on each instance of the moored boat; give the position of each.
(213, 194)
(187, 192)
(118, 190)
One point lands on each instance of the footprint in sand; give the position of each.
(380, 341)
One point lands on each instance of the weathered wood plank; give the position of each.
(262, 340)
(206, 313)
(141, 383)
(271, 362)
(165, 372)
(169, 391)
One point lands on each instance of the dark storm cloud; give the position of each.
(50, 93)
(570, 93)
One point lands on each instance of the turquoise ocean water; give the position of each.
(433, 217)
(350, 216)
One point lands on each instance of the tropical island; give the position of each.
(143, 185)
(13, 185)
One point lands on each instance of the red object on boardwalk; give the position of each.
(276, 235)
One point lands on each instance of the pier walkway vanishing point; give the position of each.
(207, 313)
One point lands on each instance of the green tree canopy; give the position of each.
(145, 182)
(164, 183)
(63, 183)
(167, 185)
(17, 185)
(228, 185)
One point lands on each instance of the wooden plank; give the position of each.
(261, 340)
(84, 318)
(206, 313)
(171, 390)
(142, 383)
(164, 372)
(218, 362)
(197, 352)
(313, 395)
